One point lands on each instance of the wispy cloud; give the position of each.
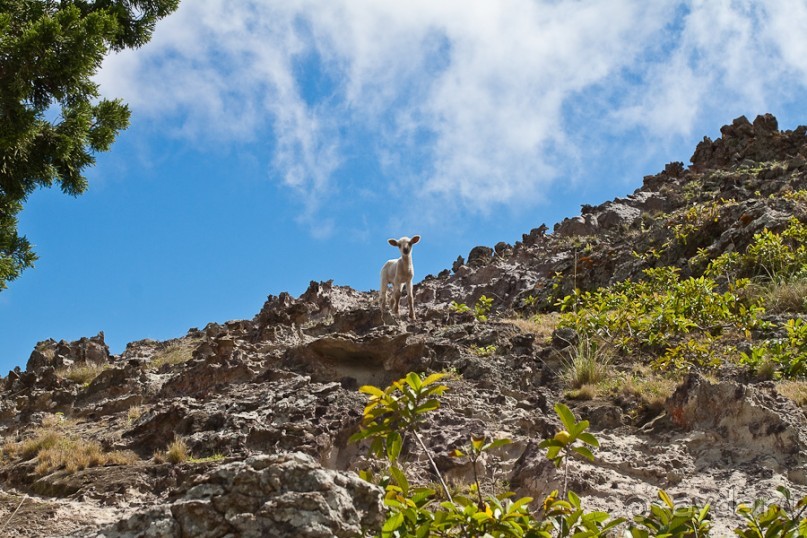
(456, 101)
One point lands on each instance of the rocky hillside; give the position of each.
(242, 429)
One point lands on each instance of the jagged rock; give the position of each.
(271, 495)
(752, 421)
(575, 226)
(50, 353)
(616, 215)
(502, 248)
(536, 235)
(287, 380)
(480, 255)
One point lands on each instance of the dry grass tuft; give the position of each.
(587, 363)
(176, 353)
(540, 325)
(83, 374)
(177, 452)
(585, 392)
(794, 390)
(55, 450)
(134, 413)
(649, 390)
(73, 455)
(785, 297)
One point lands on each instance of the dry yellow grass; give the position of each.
(585, 392)
(176, 452)
(83, 374)
(55, 450)
(73, 455)
(175, 353)
(540, 325)
(587, 363)
(794, 390)
(782, 297)
(649, 389)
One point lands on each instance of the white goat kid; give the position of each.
(399, 273)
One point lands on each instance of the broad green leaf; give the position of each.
(393, 522)
(566, 416)
(589, 439)
(413, 380)
(665, 498)
(497, 443)
(583, 451)
(428, 405)
(433, 378)
(371, 390)
(400, 479)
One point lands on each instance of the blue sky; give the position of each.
(275, 143)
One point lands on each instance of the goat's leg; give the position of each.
(382, 295)
(411, 297)
(396, 298)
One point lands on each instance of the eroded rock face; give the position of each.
(54, 354)
(282, 495)
(273, 400)
(752, 421)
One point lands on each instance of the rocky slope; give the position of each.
(266, 406)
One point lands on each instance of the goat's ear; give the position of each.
(393, 242)
(414, 240)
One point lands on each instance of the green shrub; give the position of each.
(651, 313)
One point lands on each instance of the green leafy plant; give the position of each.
(649, 314)
(482, 308)
(788, 355)
(572, 439)
(668, 519)
(458, 308)
(483, 351)
(786, 520)
(397, 411)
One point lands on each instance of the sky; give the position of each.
(274, 143)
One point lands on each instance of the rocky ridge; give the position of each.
(266, 406)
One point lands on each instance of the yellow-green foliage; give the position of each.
(483, 351)
(773, 256)
(656, 312)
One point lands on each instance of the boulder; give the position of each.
(278, 495)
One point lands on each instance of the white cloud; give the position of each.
(461, 101)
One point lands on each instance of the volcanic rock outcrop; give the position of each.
(265, 406)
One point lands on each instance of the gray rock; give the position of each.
(280, 495)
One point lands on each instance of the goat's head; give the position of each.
(404, 244)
